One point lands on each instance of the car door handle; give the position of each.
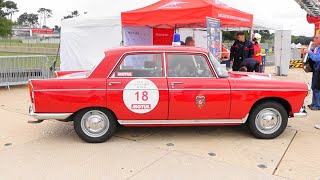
(113, 83)
(174, 83)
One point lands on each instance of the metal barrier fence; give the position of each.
(17, 70)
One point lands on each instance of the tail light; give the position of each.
(31, 91)
(55, 75)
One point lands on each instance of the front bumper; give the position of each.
(302, 114)
(47, 116)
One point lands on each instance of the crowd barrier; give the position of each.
(17, 70)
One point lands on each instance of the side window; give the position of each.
(184, 65)
(140, 65)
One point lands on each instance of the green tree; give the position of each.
(5, 27)
(266, 35)
(7, 8)
(26, 19)
(45, 13)
(10, 8)
(72, 15)
(301, 39)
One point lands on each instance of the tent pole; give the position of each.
(251, 33)
(122, 42)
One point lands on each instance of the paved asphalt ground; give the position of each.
(52, 150)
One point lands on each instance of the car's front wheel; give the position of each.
(95, 125)
(268, 120)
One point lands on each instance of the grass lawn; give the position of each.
(18, 43)
(14, 54)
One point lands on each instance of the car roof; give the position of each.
(126, 49)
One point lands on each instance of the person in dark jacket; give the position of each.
(240, 50)
(251, 65)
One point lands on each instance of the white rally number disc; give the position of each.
(141, 96)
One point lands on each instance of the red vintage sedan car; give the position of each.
(165, 86)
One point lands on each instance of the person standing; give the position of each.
(240, 50)
(314, 55)
(256, 49)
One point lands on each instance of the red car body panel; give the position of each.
(62, 73)
(68, 95)
(226, 98)
(116, 103)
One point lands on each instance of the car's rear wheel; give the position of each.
(268, 120)
(95, 125)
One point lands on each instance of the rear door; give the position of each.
(196, 93)
(137, 89)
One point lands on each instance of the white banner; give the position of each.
(201, 38)
(137, 36)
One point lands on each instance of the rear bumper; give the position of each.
(302, 114)
(47, 116)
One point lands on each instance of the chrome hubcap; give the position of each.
(268, 120)
(95, 123)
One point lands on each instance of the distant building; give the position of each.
(34, 32)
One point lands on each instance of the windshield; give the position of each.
(221, 71)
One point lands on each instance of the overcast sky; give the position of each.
(275, 12)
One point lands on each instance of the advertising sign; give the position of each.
(214, 37)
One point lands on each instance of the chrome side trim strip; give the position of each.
(137, 89)
(245, 119)
(187, 89)
(184, 122)
(286, 90)
(47, 116)
(192, 77)
(173, 122)
(137, 77)
(44, 90)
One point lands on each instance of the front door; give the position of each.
(196, 93)
(137, 89)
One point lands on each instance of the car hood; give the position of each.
(249, 75)
(254, 81)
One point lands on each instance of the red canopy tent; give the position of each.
(186, 14)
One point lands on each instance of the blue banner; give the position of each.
(214, 37)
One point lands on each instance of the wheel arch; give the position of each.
(90, 108)
(279, 100)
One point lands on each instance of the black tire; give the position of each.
(269, 109)
(106, 122)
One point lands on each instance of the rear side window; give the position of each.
(140, 65)
(188, 65)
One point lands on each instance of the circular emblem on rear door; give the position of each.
(141, 96)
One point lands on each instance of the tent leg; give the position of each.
(122, 43)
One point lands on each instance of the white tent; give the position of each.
(84, 40)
